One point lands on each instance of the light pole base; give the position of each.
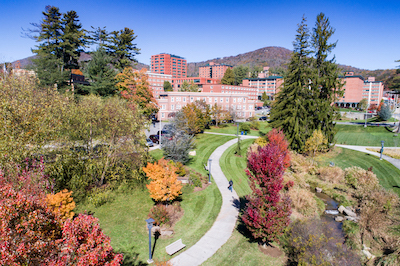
(150, 261)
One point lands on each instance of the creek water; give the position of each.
(330, 212)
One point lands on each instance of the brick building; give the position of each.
(357, 88)
(230, 89)
(171, 102)
(177, 82)
(156, 82)
(270, 85)
(169, 64)
(212, 70)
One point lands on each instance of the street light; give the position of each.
(209, 170)
(382, 142)
(150, 222)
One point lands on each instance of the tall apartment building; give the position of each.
(212, 70)
(357, 88)
(169, 64)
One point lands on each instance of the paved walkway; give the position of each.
(225, 223)
(395, 162)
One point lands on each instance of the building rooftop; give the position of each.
(268, 78)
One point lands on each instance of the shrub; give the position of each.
(314, 242)
(62, 203)
(244, 127)
(362, 180)
(261, 142)
(160, 214)
(255, 125)
(180, 168)
(333, 175)
(303, 201)
(384, 113)
(100, 196)
(195, 179)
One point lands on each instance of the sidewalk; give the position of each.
(225, 223)
(395, 162)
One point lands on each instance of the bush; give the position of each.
(195, 179)
(362, 180)
(330, 174)
(244, 127)
(100, 196)
(314, 242)
(261, 141)
(160, 214)
(180, 168)
(255, 125)
(303, 201)
(62, 203)
(384, 113)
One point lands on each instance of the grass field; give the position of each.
(388, 175)
(123, 219)
(239, 250)
(232, 129)
(369, 136)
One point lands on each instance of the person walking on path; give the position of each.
(230, 185)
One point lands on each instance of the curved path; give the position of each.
(395, 162)
(223, 226)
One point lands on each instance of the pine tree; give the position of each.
(326, 85)
(228, 78)
(290, 110)
(73, 40)
(122, 49)
(101, 74)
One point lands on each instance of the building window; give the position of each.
(191, 99)
(184, 99)
(172, 99)
(162, 115)
(172, 107)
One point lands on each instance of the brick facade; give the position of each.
(169, 65)
(212, 70)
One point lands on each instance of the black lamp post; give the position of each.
(150, 222)
(209, 170)
(382, 142)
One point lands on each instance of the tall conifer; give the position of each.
(289, 111)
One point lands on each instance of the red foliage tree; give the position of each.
(267, 213)
(32, 234)
(277, 137)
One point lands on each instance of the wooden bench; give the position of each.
(174, 247)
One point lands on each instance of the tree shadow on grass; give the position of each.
(241, 227)
(131, 258)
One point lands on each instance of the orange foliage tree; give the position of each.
(62, 203)
(164, 185)
(134, 87)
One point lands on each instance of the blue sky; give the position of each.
(368, 32)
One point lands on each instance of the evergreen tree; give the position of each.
(228, 78)
(241, 72)
(99, 36)
(101, 74)
(326, 85)
(121, 48)
(73, 40)
(167, 86)
(385, 113)
(290, 111)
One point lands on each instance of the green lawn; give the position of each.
(369, 136)
(388, 175)
(239, 250)
(232, 129)
(123, 219)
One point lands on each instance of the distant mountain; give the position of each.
(24, 63)
(271, 56)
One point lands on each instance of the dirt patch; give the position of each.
(271, 250)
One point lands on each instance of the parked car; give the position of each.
(149, 142)
(263, 118)
(154, 138)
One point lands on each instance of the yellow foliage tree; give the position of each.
(261, 142)
(62, 203)
(316, 142)
(164, 185)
